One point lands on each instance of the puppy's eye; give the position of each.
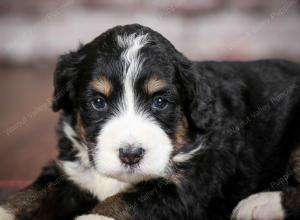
(159, 103)
(99, 104)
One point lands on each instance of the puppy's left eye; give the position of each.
(99, 104)
(159, 103)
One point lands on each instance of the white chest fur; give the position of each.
(89, 179)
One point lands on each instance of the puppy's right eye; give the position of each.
(99, 104)
(159, 103)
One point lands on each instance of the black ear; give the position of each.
(65, 77)
(196, 92)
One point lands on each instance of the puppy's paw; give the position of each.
(5, 214)
(261, 206)
(93, 217)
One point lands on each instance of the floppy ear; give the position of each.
(196, 92)
(65, 76)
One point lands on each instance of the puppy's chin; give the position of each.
(129, 175)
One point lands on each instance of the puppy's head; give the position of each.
(126, 100)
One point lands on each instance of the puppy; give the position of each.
(145, 133)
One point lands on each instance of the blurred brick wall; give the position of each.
(32, 30)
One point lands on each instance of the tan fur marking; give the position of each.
(25, 204)
(295, 163)
(153, 85)
(291, 199)
(114, 207)
(103, 85)
(181, 133)
(80, 128)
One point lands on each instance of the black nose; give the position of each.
(131, 155)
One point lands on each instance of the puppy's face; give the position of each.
(129, 111)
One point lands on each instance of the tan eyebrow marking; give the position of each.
(103, 85)
(154, 84)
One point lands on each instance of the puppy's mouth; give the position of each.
(131, 169)
(131, 175)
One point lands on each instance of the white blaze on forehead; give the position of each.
(132, 64)
(132, 45)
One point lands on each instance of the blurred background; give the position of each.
(34, 32)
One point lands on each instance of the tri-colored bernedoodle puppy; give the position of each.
(145, 133)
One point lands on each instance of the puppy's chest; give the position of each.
(88, 179)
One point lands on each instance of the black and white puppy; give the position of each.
(146, 133)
